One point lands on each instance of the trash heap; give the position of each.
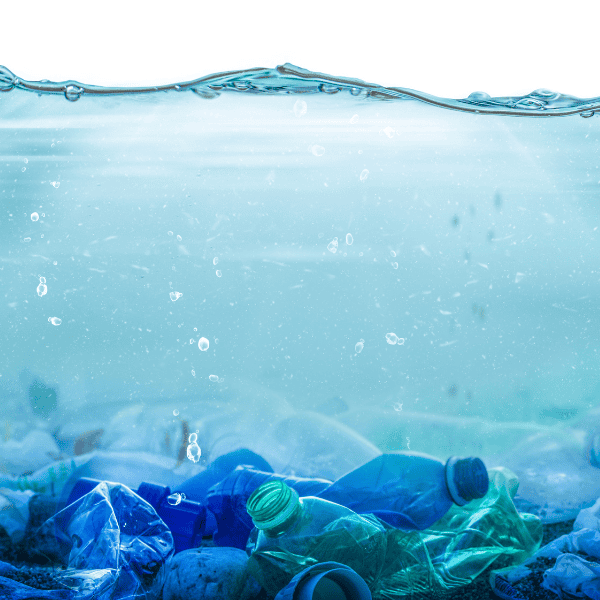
(112, 525)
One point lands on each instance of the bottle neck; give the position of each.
(287, 524)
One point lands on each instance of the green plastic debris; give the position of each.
(293, 533)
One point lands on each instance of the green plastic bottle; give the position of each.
(293, 533)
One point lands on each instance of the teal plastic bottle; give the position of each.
(294, 533)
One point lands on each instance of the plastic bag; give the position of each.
(112, 541)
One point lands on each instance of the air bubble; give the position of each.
(179, 238)
(389, 132)
(176, 498)
(358, 348)
(300, 108)
(191, 340)
(203, 344)
(318, 150)
(175, 296)
(42, 280)
(55, 321)
(218, 273)
(175, 413)
(333, 245)
(27, 239)
(23, 169)
(354, 119)
(391, 339)
(364, 174)
(34, 216)
(169, 233)
(221, 379)
(393, 253)
(193, 438)
(195, 329)
(42, 290)
(215, 260)
(394, 265)
(214, 378)
(55, 184)
(193, 451)
(25, 160)
(349, 239)
(586, 114)
(73, 93)
(55, 263)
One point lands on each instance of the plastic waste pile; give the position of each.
(315, 509)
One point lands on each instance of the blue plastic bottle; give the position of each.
(408, 490)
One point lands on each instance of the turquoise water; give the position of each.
(301, 224)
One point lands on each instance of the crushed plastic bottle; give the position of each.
(293, 532)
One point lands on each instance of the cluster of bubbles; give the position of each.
(42, 288)
(55, 321)
(203, 344)
(392, 339)
(55, 184)
(193, 450)
(175, 296)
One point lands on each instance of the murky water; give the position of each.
(317, 241)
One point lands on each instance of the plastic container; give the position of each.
(292, 532)
(556, 473)
(404, 489)
(448, 555)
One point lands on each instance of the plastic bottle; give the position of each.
(450, 554)
(556, 473)
(404, 489)
(292, 533)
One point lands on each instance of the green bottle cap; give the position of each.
(271, 504)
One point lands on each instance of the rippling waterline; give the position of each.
(289, 79)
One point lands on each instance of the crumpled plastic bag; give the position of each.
(572, 576)
(114, 544)
(14, 512)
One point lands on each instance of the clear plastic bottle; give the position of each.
(293, 533)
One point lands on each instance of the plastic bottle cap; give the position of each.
(326, 581)
(271, 504)
(467, 479)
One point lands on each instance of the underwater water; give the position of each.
(221, 254)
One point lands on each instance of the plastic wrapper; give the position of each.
(113, 543)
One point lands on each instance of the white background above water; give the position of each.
(445, 49)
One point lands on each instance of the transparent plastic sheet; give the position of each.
(461, 545)
(113, 543)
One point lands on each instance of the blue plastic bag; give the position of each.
(113, 543)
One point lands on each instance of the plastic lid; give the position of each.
(467, 479)
(326, 581)
(271, 504)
